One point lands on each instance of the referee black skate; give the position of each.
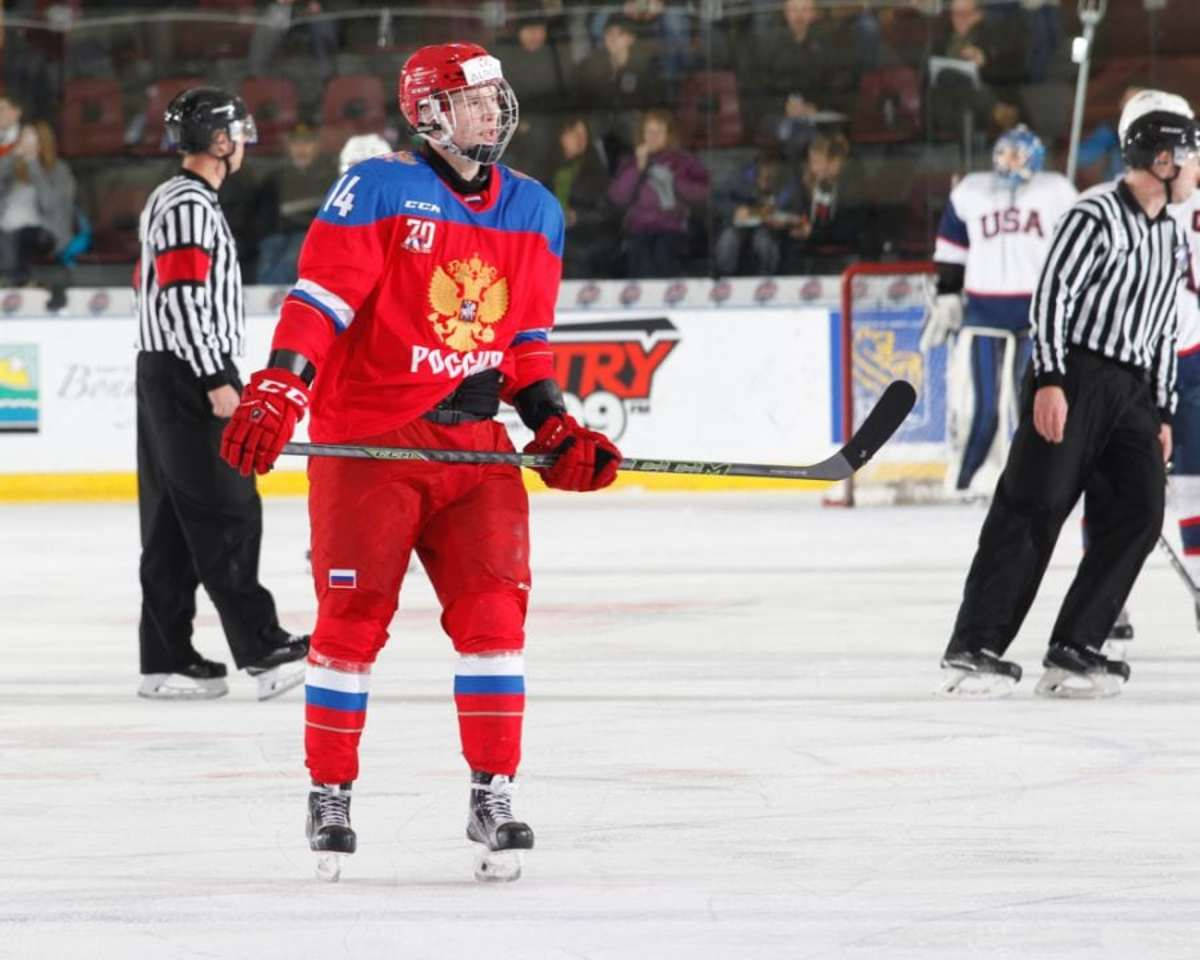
(201, 522)
(1096, 415)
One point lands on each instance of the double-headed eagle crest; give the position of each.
(468, 298)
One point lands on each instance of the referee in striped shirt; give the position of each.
(201, 522)
(1096, 417)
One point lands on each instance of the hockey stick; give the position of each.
(1180, 569)
(883, 420)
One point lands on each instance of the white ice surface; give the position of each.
(732, 751)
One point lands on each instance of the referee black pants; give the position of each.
(1110, 449)
(201, 523)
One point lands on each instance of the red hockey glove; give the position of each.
(263, 422)
(587, 460)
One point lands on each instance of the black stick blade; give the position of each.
(884, 419)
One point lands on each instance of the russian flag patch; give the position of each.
(343, 579)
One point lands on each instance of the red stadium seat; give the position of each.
(889, 106)
(92, 121)
(115, 223)
(352, 104)
(709, 115)
(153, 138)
(273, 104)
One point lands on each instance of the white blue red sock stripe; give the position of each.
(490, 686)
(335, 699)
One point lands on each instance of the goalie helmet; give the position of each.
(455, 96)
(1018, 154)
(1154, 121)
(194, 116)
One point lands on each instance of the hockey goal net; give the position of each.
(883, 310)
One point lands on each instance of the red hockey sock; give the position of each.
(335, 709)
(489, 692)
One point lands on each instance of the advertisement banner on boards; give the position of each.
(745, 384)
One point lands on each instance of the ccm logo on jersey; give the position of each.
(422, 205)
(455, 364)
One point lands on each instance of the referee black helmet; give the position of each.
(194, 116)
(1154, 121)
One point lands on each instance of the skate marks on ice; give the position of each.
(767, 776)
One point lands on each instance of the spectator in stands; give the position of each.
(794, 63)
(37, 200)
(276, 21)
(996, 46)
(762, 205)
(1045, 36)
(665, 28)
(535, 69)
(288, 200)
(614, 82)
(31, 74)
(655, 189)
(579, 179)
(1101, 149)
(829, 226)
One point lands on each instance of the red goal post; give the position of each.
(883, 307)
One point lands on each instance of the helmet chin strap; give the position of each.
(1168, 182)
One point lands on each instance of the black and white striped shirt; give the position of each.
(1110, 285)
(188, 283)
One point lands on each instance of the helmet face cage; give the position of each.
(1018, 155)
(243, 130)
(476, 122)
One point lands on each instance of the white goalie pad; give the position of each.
(960, 407)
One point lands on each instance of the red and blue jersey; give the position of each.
(406, 287)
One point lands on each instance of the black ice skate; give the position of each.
(282, 667)
(199, 680)
(978, 673)
(330, 835)
(490, 824)
(1080, 673)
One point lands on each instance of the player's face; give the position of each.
(476, 116)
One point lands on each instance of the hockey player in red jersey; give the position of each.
(427, 289)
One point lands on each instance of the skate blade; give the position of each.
(160, 686)
(329, 866)
(1060, 684)
(281, 679)
(498, 866)
(969, 685)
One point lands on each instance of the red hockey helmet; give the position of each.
(455, 96)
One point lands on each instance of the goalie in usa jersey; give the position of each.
(993, 236)
(427, 287)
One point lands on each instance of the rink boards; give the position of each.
(697, 370)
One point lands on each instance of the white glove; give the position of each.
(944, 318)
